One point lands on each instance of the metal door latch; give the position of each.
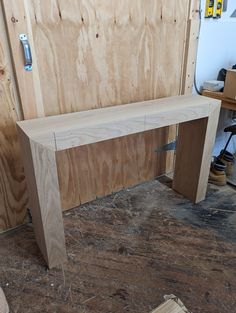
(27, 52)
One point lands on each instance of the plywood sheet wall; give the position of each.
(13, 197)
(97, 53)
(101, 53)
(100, 169)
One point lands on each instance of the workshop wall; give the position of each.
(217, 45)
(216, 50)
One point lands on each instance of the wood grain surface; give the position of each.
(44, 200)
(193, 155)
(4, 308)
(90, 54)
(191, 46)
(18, 22)
(169, 306)
(66, 131)
(198, 119)
(99, 169)
(13, 197)
(49, 204)
(80, 142)
(93, 54)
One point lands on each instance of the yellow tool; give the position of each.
(218, 7)
(209, 8)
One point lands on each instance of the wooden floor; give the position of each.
(126, 252)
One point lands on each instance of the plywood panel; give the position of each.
(96, 53)
(90, 54)
(18, 22)
(112, 169)
(192, 37)
(13, 197)
(99, 169)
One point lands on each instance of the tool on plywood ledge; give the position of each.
(218, 7)
(171, 146)
(209, 8)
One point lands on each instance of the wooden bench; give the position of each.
(41, 140)
(226, 103)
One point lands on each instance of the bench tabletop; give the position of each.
(80, 128)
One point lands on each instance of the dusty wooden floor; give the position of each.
(128, 250)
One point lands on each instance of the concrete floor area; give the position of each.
(126, 252)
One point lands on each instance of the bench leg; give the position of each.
(193, 156)
(44, 200)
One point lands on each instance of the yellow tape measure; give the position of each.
(218, 7)
(209, 8)
(214, 8)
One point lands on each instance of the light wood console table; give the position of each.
(42, 138)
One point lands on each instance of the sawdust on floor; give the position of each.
(126, 251)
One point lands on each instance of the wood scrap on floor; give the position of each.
(3, 303)
(171, 305)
